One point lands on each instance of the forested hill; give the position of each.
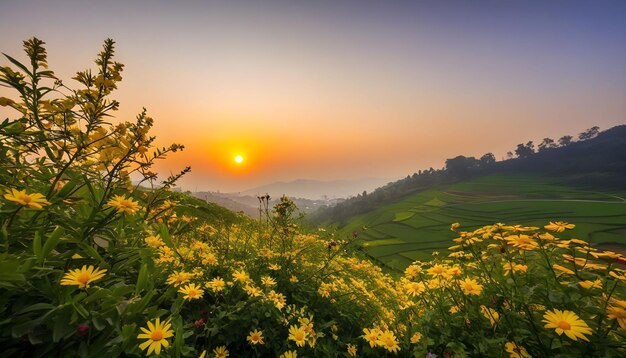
(600, 161)
(596, 160)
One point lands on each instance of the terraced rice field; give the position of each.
(413, 228)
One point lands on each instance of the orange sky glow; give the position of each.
(329, 91)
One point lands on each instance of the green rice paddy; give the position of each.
(411, 229)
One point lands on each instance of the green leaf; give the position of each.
(18, 64)
(80, 309)
(36, 307)
(179, 339)
(142, 279)
(60, 329)
(52, 241)
(37, 248)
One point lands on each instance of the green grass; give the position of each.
(410, 229)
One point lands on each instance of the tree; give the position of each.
(547, 143)
(509, 155)
(461, 166)
(525, 150)
(589, 133)
(565, 140)
(487, 159)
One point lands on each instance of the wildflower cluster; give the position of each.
(520, 289)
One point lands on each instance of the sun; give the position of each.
(238, 159)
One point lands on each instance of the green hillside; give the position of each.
(413, 227)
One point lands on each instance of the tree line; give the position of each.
(456, 169)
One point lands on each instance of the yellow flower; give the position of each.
(455, 226)
(221, 352)
(492, 315)
(217, 284)
(351, 350)
(241, 276)
(471, 287)
(516, 351)
(293, 279)
(123, 204)
(521, 241)
(252, 291)
(414, 288)
(289, 354)
(371, 336)
(256, 337)
(82, 277)
(508, 266)
(455, 270)
(438, 270)
(388, 341)
(268, 281)
(191, 292)
(618, 313)
(298, 335)
(153, 241)
(563, 269)
(416, 337)
(591, 284)
(35, 200)
(559, 226)
(274, 267)
(566, 322)
(177, 278)
(156, 336)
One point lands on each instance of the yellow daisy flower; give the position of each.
(221, 352)
(471, 287)
(559, 226)
(35, 200)
(191, 292)
(268, 281)
(289, 354)
(256, 337)
(123, 204)
(156, 335)
(371, 336)
(388, 341)
(82, 277)
(617, 312)
(298, 335)
(177, 278)
(567, 322)
(351, 350)
(217, 284)
(416, 337)
(516, 351)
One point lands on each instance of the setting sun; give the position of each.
(238, 159)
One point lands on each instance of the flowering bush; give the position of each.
(93, 265)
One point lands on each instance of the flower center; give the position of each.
(299, 336)
(192, 293)
(564, 326)
(26, 198)
(83, 278)
(156, 335)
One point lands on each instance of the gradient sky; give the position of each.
(341, 89)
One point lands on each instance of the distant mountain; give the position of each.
(317, 189)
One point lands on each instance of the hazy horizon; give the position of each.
(340, 91)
